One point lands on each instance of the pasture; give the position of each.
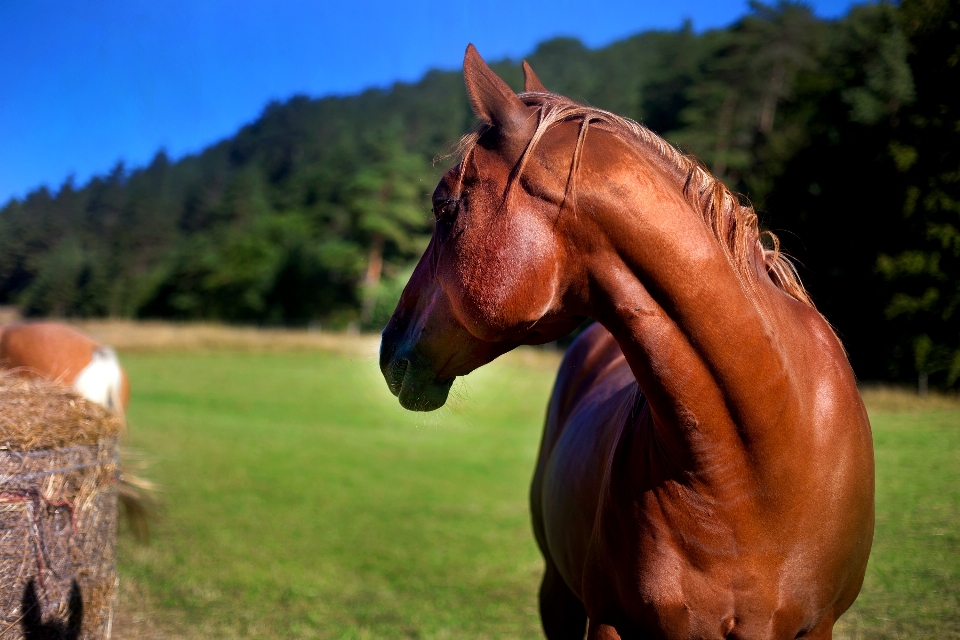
(300, 500)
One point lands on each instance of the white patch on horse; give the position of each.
(101, 381)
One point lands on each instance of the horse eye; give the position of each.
(445, 210)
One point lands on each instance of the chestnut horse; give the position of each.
(706, 470)
(59, 352)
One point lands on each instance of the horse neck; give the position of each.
(703, 340)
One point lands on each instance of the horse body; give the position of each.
(706, 470)
(58, 352)
(717, 548)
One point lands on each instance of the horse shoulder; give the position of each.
(829, 408)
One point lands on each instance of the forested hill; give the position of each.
(844, 134)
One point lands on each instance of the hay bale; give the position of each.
(59, 472)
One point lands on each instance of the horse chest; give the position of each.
(672, 570)
(665, 596)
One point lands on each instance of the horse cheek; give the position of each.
(522, 278)
(503, 279)
(536, 286)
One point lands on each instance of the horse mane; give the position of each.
(733, 224)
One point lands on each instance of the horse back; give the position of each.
(48, 349)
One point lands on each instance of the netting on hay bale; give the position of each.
(59, 473)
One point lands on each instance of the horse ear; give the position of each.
(491, 98)
(531, 83)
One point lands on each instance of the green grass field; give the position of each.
(301, 501)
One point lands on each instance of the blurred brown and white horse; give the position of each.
(58, 352)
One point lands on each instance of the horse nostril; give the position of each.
(402, 365)
(397, 372)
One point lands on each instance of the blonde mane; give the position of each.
(733, 224)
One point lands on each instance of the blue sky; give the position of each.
(85, 83)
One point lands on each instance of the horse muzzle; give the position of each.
(411, 378)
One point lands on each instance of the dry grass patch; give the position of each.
(152, 336)
(891, 399)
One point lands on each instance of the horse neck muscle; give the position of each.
(704, 342)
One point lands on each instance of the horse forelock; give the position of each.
(734, 225)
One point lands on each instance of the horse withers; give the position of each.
(706, 470)
(58, 352)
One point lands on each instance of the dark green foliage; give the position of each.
(870, 198)
(924, 271)
(838, 194)
(843, 133)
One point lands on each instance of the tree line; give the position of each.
(844, 134)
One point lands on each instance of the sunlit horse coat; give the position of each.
(706, 470)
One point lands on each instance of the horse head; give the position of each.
(498, 271)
